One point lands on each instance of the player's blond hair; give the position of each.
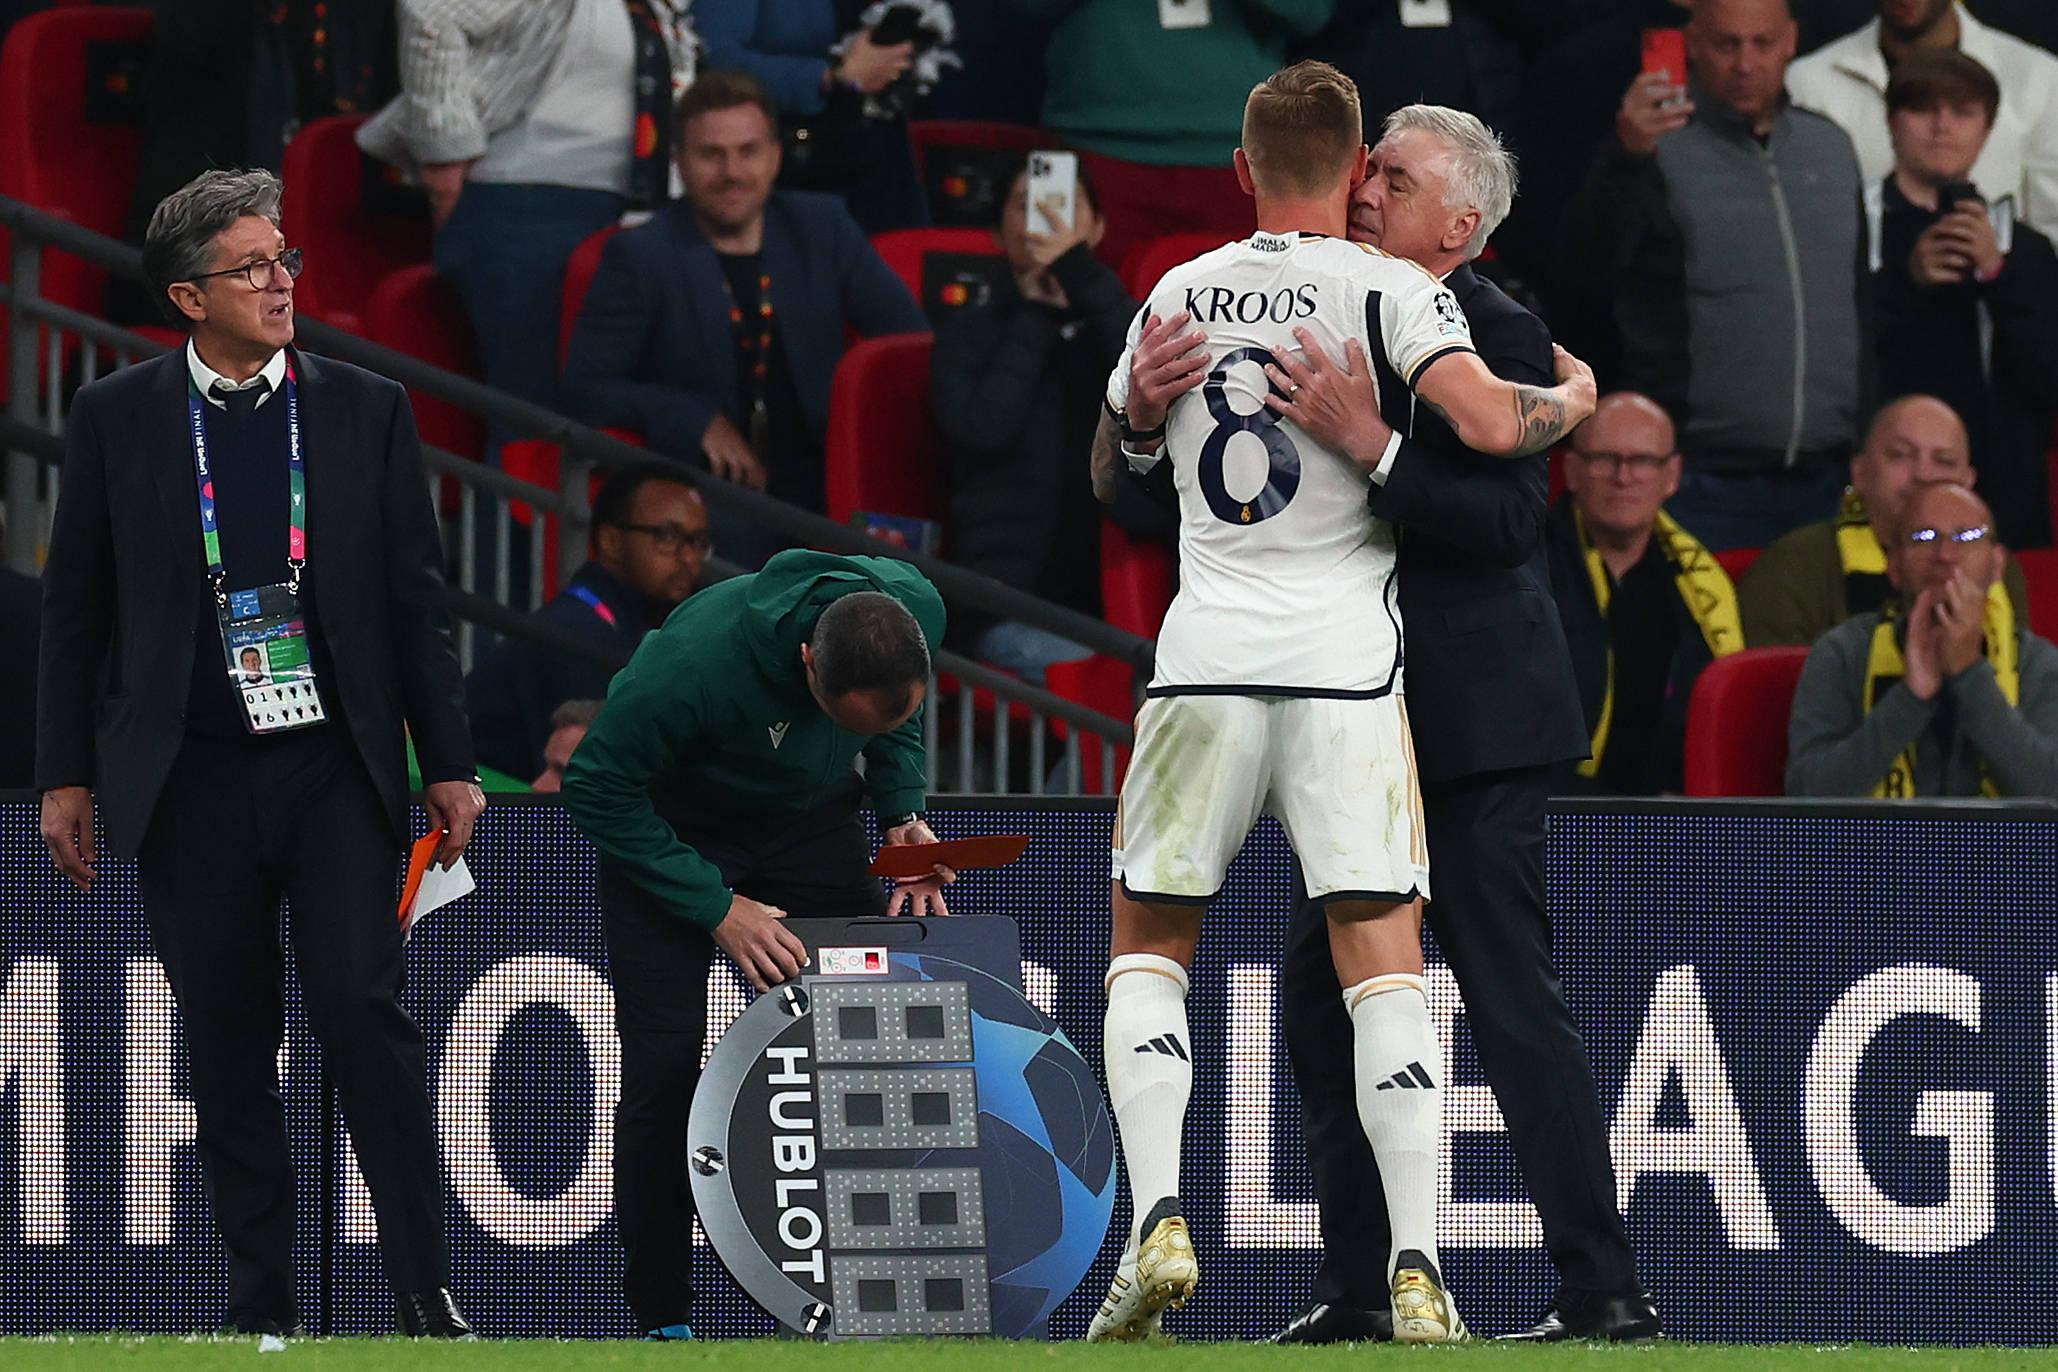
(1301, 128)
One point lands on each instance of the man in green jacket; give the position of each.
(722, 764)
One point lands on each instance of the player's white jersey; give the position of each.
(1286, 580)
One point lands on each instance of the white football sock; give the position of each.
(1396, 1061)
(1147, 1054)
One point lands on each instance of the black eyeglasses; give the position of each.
(259, 273)
(671, 538)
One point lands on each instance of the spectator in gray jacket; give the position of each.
(1729, 227)
(1940, 693)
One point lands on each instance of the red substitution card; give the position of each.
(958, 854)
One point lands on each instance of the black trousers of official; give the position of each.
(1486, 837)
(241, 823)
(814, 864)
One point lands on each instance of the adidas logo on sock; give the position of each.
(1168, 1044)
(1410, 1078)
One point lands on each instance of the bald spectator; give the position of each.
(1645, 606)
(568, 725)
(1847, 80)
(1816, 577)
(1942, 692)
(1728, 227)
(650, 539)
(1967, 298)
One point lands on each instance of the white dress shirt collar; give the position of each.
(207, 378)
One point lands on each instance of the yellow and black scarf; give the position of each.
(1863, 559)
(1704, 588)
(1885, 666)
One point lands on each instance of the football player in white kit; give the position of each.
(1278, 681)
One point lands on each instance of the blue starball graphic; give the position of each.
(1047, 1148)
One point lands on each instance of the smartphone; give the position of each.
(1052, 174)
(901, 24)
(1951, 192)
(1665, 52)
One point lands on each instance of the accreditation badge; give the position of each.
(264, 640)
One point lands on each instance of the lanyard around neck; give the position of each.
(757, 346)
(203, 478)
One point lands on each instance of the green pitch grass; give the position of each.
(382, 1355)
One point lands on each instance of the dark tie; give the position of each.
(241, 401)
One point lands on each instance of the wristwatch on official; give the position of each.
(1129, 435)
(889, 822)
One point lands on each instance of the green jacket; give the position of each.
(712, 718)
(1119, 83)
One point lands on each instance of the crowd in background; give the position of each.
(1834, 207)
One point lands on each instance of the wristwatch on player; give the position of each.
(1129, 435)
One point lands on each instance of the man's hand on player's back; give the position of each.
(1337, 405)
(1166, 365)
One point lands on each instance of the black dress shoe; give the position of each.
(1580, 1315)
(1322, 1323)
(432, 1315)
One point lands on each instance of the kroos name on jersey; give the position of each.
(1219, 304)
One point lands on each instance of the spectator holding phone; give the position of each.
(1724, 227)
(843, 94)
(1967, 294)
(1151, 92)
(1016, 387)
(1847, 80)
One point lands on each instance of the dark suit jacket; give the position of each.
(514, 689)
(21, 601)
(1489, 679)
(126, 570)
(653, 350)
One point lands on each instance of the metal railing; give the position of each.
(53, 349)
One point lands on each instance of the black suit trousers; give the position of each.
(240, 823)
(1486, 837)
(657, 962)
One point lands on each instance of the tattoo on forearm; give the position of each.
(1439, 411)
(1544, 418)
(1107, 453)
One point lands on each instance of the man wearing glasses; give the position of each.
(1645, 606)
(1819, 575)
(1943, 691)
(238, 490)
(650, 539)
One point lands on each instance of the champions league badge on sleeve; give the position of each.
(911, 1149)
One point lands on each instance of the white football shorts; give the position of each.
(1338, 774)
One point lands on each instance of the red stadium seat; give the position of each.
(974, 133)
(579, 274)
(907, 250)
(1137, 579)
(1737, 561)
(2040, 571)
(68, 133)
(1152, 260)
(355, 220)
(1101, 683)
(417, 312)
(882, 453)
(1736, 723)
